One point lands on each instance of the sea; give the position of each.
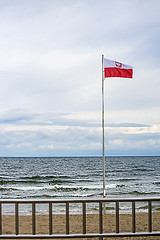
(82, 177)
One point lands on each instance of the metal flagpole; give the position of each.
(104, 178)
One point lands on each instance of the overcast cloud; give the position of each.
(50, 75)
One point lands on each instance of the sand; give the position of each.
(75, 224)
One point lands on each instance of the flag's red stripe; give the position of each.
(118, 72)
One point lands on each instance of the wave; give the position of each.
(7, 189)
(142, 193)
(78, 177)
(35, 181)
(125, 179)
(4, 182)
(42, 177)
(58, 187)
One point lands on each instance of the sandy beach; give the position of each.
(75, 224)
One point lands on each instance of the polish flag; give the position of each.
(117, 69)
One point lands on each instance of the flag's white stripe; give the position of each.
(112, 64)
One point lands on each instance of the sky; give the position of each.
(51, 77)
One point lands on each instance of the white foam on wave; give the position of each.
(113, 185)
(54, 187)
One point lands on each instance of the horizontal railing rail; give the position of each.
(83, 234)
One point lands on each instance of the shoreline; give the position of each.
(76, 224)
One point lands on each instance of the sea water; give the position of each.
(72, 177)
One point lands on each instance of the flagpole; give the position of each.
(104, 178)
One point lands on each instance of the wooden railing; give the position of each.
(83, 234)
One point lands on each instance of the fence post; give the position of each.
(50, 218)
(0, 218)
(149, 216)
(84, 217)
(133, 217)
(16, 219)
(100, 220)
(33, 219)
(67, 217)
(117, 217)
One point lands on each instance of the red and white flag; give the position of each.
(117, 69)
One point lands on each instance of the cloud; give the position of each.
(65, 134)
(50, 75)
(76, 140)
